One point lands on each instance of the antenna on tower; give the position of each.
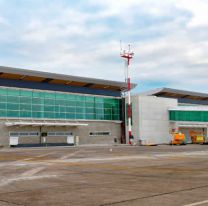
(120, 46)
(125, 70)
(127, 56)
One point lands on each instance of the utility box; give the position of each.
(70, 140)
(13, 141)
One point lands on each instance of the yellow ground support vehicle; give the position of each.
(197, 137)
(178, 139)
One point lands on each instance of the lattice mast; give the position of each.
(127, 56)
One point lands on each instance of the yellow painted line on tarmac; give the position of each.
(197, 203)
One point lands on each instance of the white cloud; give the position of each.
(198, 8)
(176, 59)
(76, 40)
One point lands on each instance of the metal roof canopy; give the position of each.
(68, 80)
(21, 123)
(175, 93)
(189, 108)
(192, 125)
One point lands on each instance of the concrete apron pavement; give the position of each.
(161, 175)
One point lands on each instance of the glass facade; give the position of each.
(22, 103)
(199, 116)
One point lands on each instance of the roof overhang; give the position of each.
(68, 80)
(45, 123)
(178, 94)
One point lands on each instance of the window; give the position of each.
(100, 133)
(24, 134)
(51, 134)
(34, 133)
(13, 134)
(61, 133)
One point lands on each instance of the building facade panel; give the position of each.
(150, 119)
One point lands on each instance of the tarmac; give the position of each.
(104, 176)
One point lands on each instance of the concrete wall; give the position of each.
(113, 128)
(4, 134)
(151, 118)
(82, 131)
(135, 116)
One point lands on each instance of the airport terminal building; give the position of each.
(40, 108)
(157, 114)
(45, 108)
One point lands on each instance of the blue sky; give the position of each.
(169, 38)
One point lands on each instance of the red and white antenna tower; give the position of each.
(127, 56)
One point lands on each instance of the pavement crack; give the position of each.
(151, 196)
(12, 203)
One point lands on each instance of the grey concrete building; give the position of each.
(158, 113)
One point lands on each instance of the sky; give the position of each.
(82, 37)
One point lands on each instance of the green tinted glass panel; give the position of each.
(70, 109)
(25, 114)
(24, 93)
(199, 116)
(60, 96)
(11, 113)
(90, 116)
(37, 114)
(49, 115)
(11, 106)
(12, 99)
(3, 91)
(25, 100)
(24, 103)
(3, 98)
(37, 108)
(90, 99)
(12, 92)
(3, 105)
(37, 100)
(25, 107)
(70, 116)
(3, 113)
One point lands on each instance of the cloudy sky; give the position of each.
(82, 37)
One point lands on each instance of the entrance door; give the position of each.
(56, 138)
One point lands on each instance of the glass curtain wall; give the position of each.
(199, 116)
(21, 103)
